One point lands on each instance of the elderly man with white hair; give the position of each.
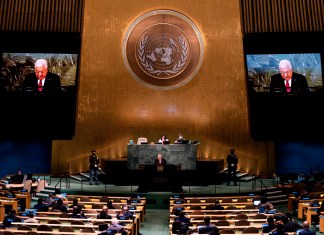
(115, 226)
(287, 80)
(41, 80)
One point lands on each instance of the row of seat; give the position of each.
(238, 215)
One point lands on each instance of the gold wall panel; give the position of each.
(44, 15)
(262, 16)
(113, 107)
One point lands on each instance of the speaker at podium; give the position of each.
(158, 178)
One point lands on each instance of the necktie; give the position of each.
(40, 85)
(287, 87)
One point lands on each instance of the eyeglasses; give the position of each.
(285, 72)
(40, 71)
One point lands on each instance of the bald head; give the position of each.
(306, 224)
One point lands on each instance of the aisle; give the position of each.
(156, 222)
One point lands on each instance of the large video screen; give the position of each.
(16, 66)
(264, 74)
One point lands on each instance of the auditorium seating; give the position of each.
(238, 216)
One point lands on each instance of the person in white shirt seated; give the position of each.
(163, 139)
(31, 218)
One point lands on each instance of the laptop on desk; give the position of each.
(165, 142)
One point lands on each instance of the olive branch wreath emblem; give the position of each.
(149, 68)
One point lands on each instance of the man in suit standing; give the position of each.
(160, 164)
(232, 161)
(160, 161)
(42, 81)
(94, 167)
(288, 81)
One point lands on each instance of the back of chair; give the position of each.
(104, 199)
(209, 207)
(97, 206)
(194, 200)
(242, 223)
(210, 200)
(260, 216)
(77, 222)
(227, 231)
(7, 233)
(249, 206)
(227, 200)
(85, 199)
(116, 200)
(24, 227)
(66, 229)
(241, 216)
(44, 227)
(195, 207)
(231, 208)
(64, 215)
(87, 230)
(53, 221)
(32, 233)
(222, 223)
(242, 199)
(197, 212)
(250, 230)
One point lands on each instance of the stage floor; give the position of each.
(74, 186)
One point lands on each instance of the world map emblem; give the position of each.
(163, 49)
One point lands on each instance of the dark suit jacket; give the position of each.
(231, 160)
(52, 83)
(307, 232)
(298, 83)
(163, 162)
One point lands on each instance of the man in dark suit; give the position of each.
(232, 161)
(287, 81)
(306, 230)
(42, 81)
(160, 161)
(94, 167)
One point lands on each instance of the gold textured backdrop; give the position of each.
(114, 108)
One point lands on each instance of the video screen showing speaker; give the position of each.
(38, 84)
(268, 72)
(21, 72)
(284, 77)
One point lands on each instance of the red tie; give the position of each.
(287, 87)
(40, 85)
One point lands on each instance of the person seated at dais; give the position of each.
(180, 138)
(164, 139)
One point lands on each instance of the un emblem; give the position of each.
(163, 49)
